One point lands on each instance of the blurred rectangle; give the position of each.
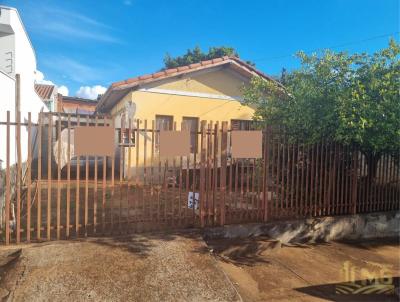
(174, 143)
(94, 141)
(247, 144)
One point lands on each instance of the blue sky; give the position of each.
(88, 43)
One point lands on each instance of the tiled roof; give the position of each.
(116, 89)
(45, 92)
(78, 100)
(185, 69)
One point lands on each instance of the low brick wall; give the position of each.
(349, 227)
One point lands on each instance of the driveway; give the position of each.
(182, 267)
(158, 267)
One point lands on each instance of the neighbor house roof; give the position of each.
(44, 91)
(119, 89)
(75, 99)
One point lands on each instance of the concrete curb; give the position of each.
(348, 227)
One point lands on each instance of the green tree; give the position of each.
(350, 99)
(196, 55)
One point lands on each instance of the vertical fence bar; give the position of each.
(292, 187)
(287, 176)
(180, 220)
(365, 183)
(314, 169)
(386, 182)
(49, 172)
(377, 184)
(224, 147)
(145, 167)
(278, 173)
(19, 177)
(39, 178)
(152, 174)
(29, 180)
(209, 202)
(174, 183)
(284, 144)
(307, 167)
(187, 181)
(273, 177)
(86, 211)
(215, 171)
(137, 145)
(265, 175)
(231, 181)
(202, 171)
(128, 176)
(104, 189)
(95, 197)
(326, 180)
(354, 180)
(392, 180)
(121, 168)
(112, 182)
(59, 177)
(68, 177)
(333, 180)
(302, 180)
(321, 180)
(8, 181)
(297, 166)
(77, 187)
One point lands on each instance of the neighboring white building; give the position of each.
(17, 56)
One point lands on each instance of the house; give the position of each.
(48, 94)
(210, 90)
(17, 61)
(75, 105)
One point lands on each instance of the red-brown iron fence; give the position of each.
(48, 193)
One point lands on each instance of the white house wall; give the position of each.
(25, 65)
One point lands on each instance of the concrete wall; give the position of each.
(350, 227)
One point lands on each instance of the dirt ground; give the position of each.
(264, 270)
(183, 267)
(157, 267)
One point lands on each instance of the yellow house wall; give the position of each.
(150, 104)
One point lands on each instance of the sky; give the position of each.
(84, 46)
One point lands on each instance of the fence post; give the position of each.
(265, 174)
(202, 170)
(19, 176)
(224, 146)
(8, 182)
(354, 183)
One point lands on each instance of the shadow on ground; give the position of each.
(359, 290)
(141, 244)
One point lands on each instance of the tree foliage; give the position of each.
(196, 55)
(351, 99)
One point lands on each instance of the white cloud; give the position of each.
(88, 92)
(39, 78)
(63, 90)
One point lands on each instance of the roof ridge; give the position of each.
(170, 71)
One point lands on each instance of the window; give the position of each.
(125, 137)
(163, 122)
(191, 124)
(242, 125)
